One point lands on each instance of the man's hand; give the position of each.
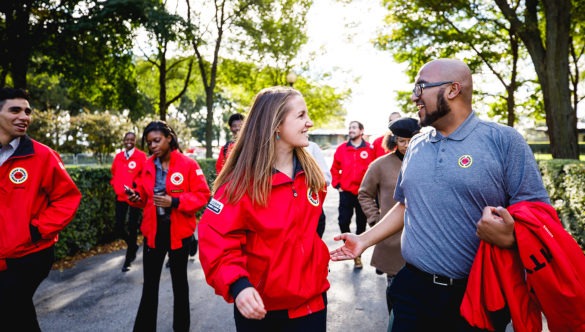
(250, 304)
(496, 226)
(351, 249)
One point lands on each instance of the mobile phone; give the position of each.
(128, 190)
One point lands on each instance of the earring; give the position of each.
(277, 137)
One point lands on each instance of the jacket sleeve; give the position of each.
(63, 198)
(220, 161)
(198, 194)
(117, 181)
(140, 188)
(367, 196)
(222, 236)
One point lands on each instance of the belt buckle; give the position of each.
(437, 281)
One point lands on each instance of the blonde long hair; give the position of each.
(249, 166)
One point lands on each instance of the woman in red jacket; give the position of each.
(257, 239)
(170, 188)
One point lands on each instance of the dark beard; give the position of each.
(442, 110)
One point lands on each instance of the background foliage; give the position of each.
(94, 222)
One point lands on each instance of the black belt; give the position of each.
(437, 279)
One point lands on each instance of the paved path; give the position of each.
(95, 296)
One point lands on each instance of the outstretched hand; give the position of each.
(351, 249)
(496, 226)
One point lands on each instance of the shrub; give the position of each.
(94, 222)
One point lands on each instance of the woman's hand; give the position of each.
(250, 304)
(132, 195)
(352, 248)
(164, 201)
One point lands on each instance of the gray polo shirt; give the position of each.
(445, 182)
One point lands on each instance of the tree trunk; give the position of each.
(162, 94)
(209, 122)
(551, 62)
(18, 46)
(561, 118)
(513, 86)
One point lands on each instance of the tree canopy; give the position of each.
(81, 59)
(502, 39)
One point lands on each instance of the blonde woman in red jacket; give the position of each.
(257, 239)
(171, 188)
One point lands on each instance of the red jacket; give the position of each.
(276, 246)
(223, 154)
(350, 165)
(37, 197)
(185, 181)
(546, 273)
(124, 171)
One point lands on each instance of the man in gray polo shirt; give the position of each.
(455, 182)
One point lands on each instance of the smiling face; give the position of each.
(431, 103)
(293, 130)
(443, 93)
(427, 117)
(15, 117)
(355, 132)
(158, 144)
(129, 141)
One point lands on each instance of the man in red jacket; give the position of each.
(125, 167)
(37, 200)
(350, 163)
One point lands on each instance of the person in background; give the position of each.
(378, 186)
(125, 167)
(38, 199)
(316, 152)
(170, 189)
(235, 123)
(379, 148)
(452, 191)
(258, 244)
(350, 162)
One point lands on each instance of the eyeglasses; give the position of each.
(418, 88)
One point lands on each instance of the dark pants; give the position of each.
(128, 234)
(153, 260)
(278, 321)
(390, 279)
(321, 224)
(18, 285)
(421, 305)
(347, 203)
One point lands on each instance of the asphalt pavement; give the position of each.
(95, 296)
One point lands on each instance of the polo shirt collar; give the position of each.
(466, 128)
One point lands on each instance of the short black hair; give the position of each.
(235, 117)
(129, 133)
(13, 93)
